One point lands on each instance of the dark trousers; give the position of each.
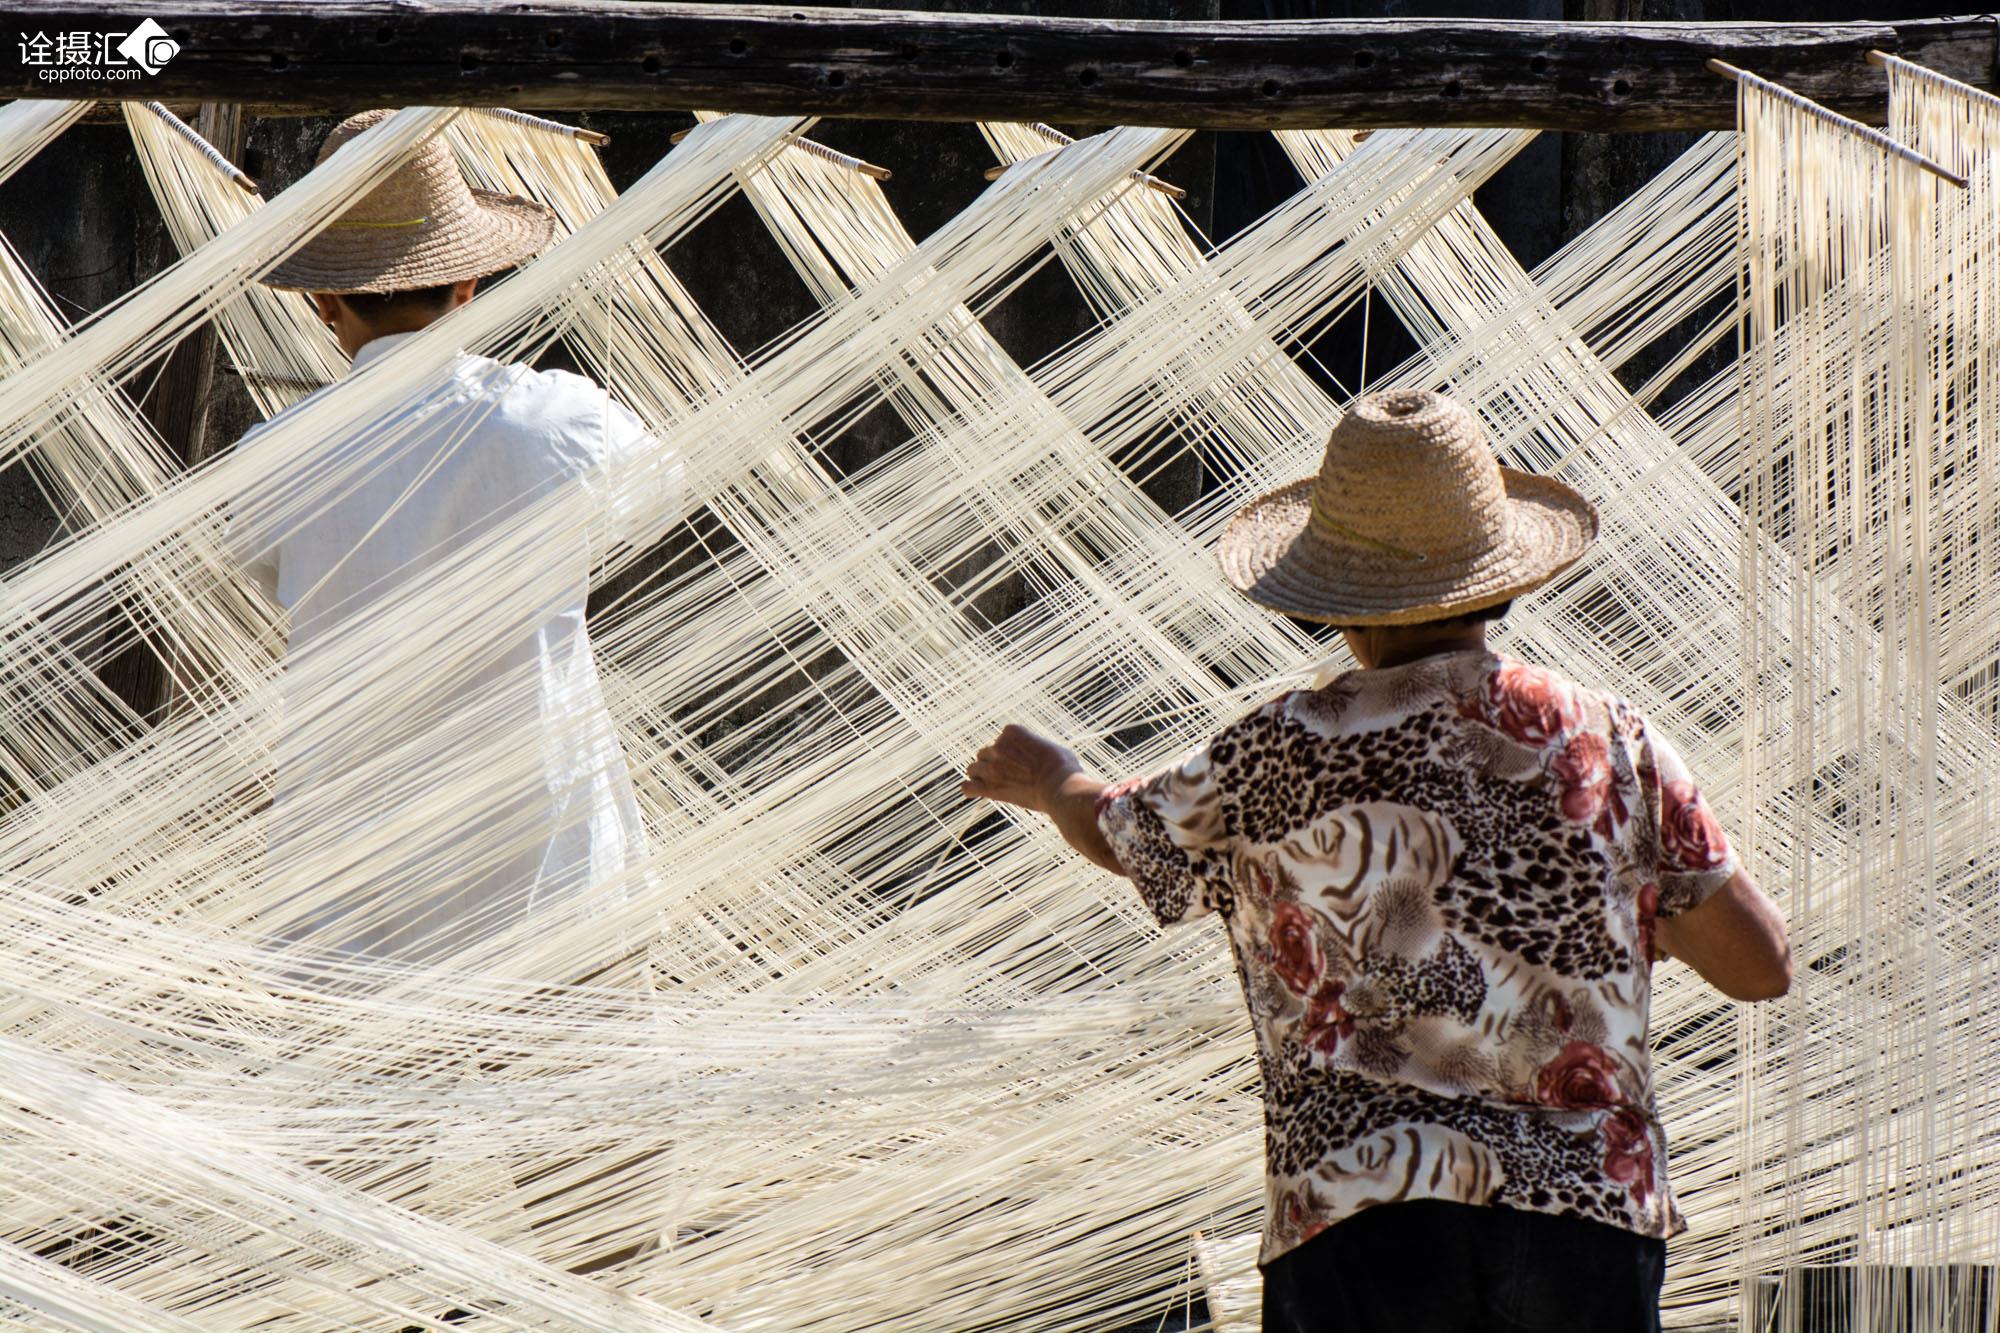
(1427, 1266)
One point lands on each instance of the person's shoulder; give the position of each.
(1543, 706)
(1275, 713)
(1619, 720)
(1619, 715)
(1276, 708)
(554, 379)
(575, 399)
(283, 414)
(1507, 675)
(531, 396)
(1601, 702)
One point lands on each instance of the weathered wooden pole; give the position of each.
(178, 399)
(326, 55)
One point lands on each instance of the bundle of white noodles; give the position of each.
(853, 1054)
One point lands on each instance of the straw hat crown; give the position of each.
(1411, 518)
(422, 227)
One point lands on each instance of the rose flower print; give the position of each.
(1688, 831)
(1628, 1151)
(1583, 1077)
(1327, 1023)
(1588, 789)
(1293, 951)
(1533, 706)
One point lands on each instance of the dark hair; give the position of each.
(1497, 611)
(1482, 615)
(374, 307)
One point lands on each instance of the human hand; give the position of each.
(1020, 768)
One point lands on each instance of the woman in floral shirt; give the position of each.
(1446, 877)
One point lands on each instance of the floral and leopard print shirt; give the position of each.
(1440, 881)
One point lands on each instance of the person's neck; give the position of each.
(1399, 648)
(372, 332)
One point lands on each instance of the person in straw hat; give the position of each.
(1446, 876)
(446, 574)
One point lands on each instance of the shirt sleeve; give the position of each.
(637, 481)
(1692, 857)
(257, 559)
(1171, 834)
(261, 568)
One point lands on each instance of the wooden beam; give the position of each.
(632, 55)
(175, 396)
(182, 398)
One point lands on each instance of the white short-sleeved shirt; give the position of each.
(486, 783)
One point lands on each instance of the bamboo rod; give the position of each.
(209, 151)
(595, 138)
(817, 149)
(1866, 133)
(1883, 60)
(1050, 132)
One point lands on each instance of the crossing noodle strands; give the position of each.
(1867, 1152)
(839, 1051)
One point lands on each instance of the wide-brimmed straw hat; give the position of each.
(422, 227)
(1411, 518)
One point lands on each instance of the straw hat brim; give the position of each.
(501, 231)
(1272, 555)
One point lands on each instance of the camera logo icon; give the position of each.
(148, 46)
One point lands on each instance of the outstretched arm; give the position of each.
(1735, 938)
(1033, 772)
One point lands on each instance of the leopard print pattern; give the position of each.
(1440, 882)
